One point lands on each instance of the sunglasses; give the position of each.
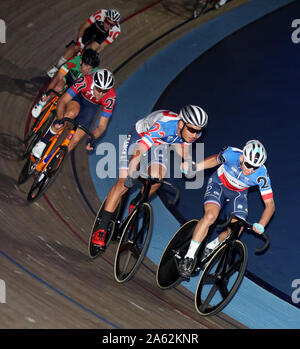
(192, 130)
(99, 90)
(250, 167)
(111, 24)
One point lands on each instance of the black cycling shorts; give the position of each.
(96, 33)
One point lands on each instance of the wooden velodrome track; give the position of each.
(50, 280)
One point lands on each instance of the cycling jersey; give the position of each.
(84, 85)
(232, 177)
(159, 127)
(98, 18)
(73, 67)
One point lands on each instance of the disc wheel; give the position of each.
(133, 243)
(221, 278)
(167, 275)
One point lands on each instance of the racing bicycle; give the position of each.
(223, 268)
(133, 233)
(48, 167)
(41, 124)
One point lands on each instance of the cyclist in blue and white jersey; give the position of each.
(239, 170)
(151, 136)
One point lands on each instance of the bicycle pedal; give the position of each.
(176, 254)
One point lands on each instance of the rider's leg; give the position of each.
(57, 84)
(211, 212)
(187, 264)
(71, 112)
(112, 200)
(79, 134)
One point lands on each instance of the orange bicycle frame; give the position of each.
(42, 165)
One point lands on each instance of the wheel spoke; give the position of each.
(223, 289)
(209, 279)
(208, 299)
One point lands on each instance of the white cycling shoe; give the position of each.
(38, 149)
(220, 3)
(52, 71)
(36, 110)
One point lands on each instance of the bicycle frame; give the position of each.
(235, 224)
(52, 105)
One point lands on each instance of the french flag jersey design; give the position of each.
(159, 127)
(231, 175)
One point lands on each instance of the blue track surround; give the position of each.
(252, 305)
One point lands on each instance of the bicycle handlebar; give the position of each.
(173, 202)
(78, 125)
(248, 225)
(52, 91)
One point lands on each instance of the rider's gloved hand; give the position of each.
(131, 180)
(90, 143)
(80, 43)
(188, 167)
(58, 123)
(258, 228)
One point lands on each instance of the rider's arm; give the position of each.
(140, 149)
(209, 162)
(101, 128)
(53, 83)
(267, 214)
(83, 28)
(61, 105)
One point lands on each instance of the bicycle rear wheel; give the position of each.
(44, 180)
(27, 171)
(221, 278)
(133, 243)
(167, 274)
(93, 250)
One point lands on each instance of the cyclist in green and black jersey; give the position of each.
(69, 72)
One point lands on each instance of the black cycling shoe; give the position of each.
(186, 267)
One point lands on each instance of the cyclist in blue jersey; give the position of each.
(151, 136)
(239, 170)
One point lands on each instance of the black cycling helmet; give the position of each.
(90, 57)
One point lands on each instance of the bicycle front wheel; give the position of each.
(27, 171)
(167, 275)
(133, 243)
(221, 278)
(44, 180)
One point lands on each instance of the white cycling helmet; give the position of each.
(104, 79)
(254, 153)
(192, 114)
(113, 15)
